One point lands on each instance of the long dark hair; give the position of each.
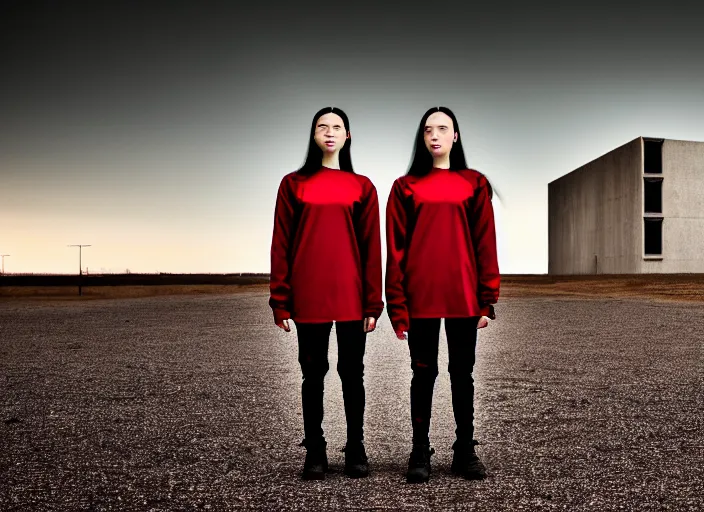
(314, 158)
(422, 160)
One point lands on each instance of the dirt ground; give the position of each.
(70, 293)
(193, 402)
(677, 287)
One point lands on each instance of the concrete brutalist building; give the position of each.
(637, 209)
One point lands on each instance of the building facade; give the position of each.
(637, 209)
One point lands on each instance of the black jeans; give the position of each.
(313, 356)
(423, 341)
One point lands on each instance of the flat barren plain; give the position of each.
(187, 397)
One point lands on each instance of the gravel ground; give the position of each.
(178, 403)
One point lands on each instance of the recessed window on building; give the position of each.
(652, 156)
(653, 236)
(652, 195)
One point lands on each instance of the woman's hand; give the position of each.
(402, 335)
(284, 325)
(369, 324)
(483, 322)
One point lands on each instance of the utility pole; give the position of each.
(3, 263)
(80, 270)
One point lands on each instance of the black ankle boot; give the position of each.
(465, 461)
(316, 463)
(356, 462)
(419, 463)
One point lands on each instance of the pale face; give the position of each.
(330, 133)
(439, 134)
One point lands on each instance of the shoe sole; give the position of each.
(469, 476)
(356, 471)
(314, 476)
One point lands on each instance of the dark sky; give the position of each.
(165, 127)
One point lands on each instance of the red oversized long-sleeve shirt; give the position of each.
(326, 248)
(441, 247)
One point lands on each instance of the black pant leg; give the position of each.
(423, 340)
(351, 341)
(313, 342)
(461, 345)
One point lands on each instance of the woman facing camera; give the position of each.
(325, 268)
(441, 263)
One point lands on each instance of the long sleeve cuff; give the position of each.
(488, 311)
(374, 311)
(400, 324)
(280, 315)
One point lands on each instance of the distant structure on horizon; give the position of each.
(635, 210)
